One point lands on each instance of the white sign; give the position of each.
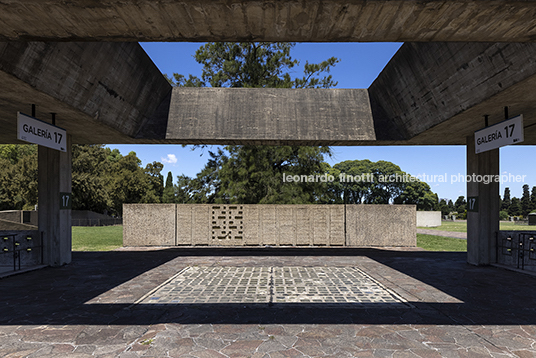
(498, 135)
(33, 130)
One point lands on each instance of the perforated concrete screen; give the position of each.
(227, 223)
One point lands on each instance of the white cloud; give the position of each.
(171, 159)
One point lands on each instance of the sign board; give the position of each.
(500, 134)
(65, 201)
(33, 130)
(472, 203)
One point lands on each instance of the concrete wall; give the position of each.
(149, 224)
(273, 225)
(428, 218)
(30, 218)
(381, 225)
(432, 93)
(11, 215)
(11, 225)
(20, 216)
(269, 116)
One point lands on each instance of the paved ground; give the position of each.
(456, 235)
(89, 309)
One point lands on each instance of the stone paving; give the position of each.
(327, 285)
(94, 308)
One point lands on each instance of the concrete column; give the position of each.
(482, 225)
(54, 222)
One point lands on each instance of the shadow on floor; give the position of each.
(99, 287)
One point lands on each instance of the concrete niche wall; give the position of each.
(268, 225)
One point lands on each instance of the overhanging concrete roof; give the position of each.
(429, 93)
(101, 92)
(269, 20)
(438, 93)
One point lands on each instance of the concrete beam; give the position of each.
(429, 93)
(438, 93)
(269, 116)
(101, 92)
(269, 20)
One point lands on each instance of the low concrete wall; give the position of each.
(381, 225)
(273, 225)
(11, 225)
(149, 224)
(28, 219)
(428, 218)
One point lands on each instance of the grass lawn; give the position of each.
(461, 226)
(97, 238)
(106, 238)
(440, 243)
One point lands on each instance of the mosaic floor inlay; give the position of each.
(327, 285)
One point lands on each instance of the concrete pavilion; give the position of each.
(461, 60)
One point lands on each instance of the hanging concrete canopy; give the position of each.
(429, 93)
(269, 20)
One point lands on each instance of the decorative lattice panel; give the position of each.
(227, 224)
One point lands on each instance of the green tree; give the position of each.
(506, 201)
(525, 201)
(418, 193)
(18, 177)
(15, 152)
(444, 207)
(533, 198)
(130, 183)
(169, 191)
(460, 204)
(253, 174)
(451, 206)
(515, 207)
(91, 178)
(349, 190)
(254, 64)
(156, 180)
(367, 182)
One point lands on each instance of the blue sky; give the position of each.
(360, 65)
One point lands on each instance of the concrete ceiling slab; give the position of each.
(101, 92)
(269, 20)
(438, 93)
(430, 93)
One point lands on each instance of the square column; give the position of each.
(54, 177)
(482, 225)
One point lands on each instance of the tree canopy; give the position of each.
(102, 179)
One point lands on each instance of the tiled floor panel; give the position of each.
(309, 285)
